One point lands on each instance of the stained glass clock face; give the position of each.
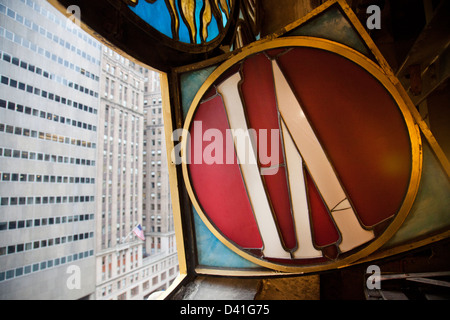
(301, 154)
(194, 22)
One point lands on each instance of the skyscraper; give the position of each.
(158, 215)
(123, 269)
(120, 162)
(49, 103)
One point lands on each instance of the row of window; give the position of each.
(34, 223)
(46, 136)
(28, 155)
(157, 271)
(34, 245)
(40, 266)
(45, 115)
(14, 201)
(44, 32)
(44, 94)
(23, 177)
(11, 36)
(68, 26)
(39, 71)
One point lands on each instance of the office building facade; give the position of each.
(158, 215)
(124, 269)
(71, 164)
(49, 93)
(119, 251)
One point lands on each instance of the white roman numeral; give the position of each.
(299, 199)
(317, 162)
(250, 171)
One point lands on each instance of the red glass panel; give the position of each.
(258, 96)
(359, 125)
(278, 193)
(324, 230)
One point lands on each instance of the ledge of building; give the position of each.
(229, 288)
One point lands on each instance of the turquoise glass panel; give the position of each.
(212, 30)
(156, 15)
(430, 209)
(190, 84)
(332, 25)
(224, 19)
(213, 253)
(198, 7)
(183, 32)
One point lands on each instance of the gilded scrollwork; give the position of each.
(207, 17)
(175, 21)
(187, 11)
(248, 28)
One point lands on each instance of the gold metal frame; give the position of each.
(378, 74)
(173, 179)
